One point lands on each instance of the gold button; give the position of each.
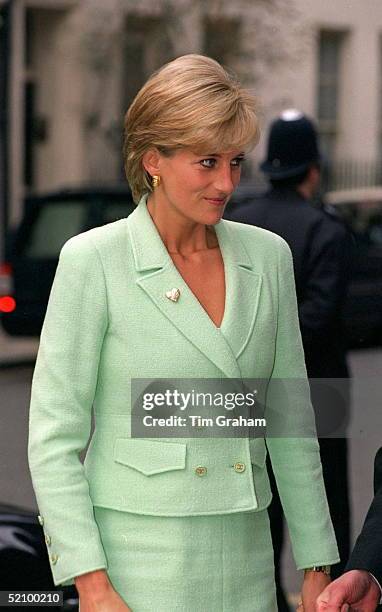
(239, 467)
(40, 520)
(48, 539)
(201, 470)
(54, 559)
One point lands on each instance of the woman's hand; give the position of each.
(97, 593)
(314, 583)
(109, 602)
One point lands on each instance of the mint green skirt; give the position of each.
(218, 563)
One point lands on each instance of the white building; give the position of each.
(339, 79)
(74, 66)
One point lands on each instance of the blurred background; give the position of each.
(68, 72)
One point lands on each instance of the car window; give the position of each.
(115, 210)
(54, 225)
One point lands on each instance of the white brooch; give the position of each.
(173, 294)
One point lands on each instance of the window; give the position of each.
(379, 152)
(329, 67)
(222, 38)
(56, 223)
(146, 47)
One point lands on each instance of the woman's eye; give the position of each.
(237, 161)
(211, 162)
(208, 163)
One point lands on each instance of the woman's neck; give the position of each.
(180, 235)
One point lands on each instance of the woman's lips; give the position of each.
(216, 201)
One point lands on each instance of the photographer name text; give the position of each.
(195, 420)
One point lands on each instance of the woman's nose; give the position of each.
(224, 181)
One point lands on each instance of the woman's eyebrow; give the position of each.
(219, 155)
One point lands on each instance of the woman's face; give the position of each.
(198, 186)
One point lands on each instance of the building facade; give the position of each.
(71, 67)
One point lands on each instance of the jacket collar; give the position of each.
(150, 251)
(158, 274)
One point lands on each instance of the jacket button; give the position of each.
(40, 520)
(48, 539)
(200, 470)
(54, 559)
(239, 467)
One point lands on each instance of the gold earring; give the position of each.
(156, 180)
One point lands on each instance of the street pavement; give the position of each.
(15, 350)
(365, 434)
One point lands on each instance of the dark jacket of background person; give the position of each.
(367, 552)
(321, 248)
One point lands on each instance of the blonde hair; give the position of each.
(190, 102)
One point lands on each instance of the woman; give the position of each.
(173, 291)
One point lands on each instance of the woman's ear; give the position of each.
(150, 161)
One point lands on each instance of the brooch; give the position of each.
(173, 294)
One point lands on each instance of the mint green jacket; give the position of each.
(108, 321)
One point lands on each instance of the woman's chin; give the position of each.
(214, 217)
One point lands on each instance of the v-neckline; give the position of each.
(176, 271)
(194, 294)
(156, 273)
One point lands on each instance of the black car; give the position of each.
(24, 563)
(32, 250)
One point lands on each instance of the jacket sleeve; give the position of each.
(328, 268)
(291, 441)
(367, 550)
(63, 387)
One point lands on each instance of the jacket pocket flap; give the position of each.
(150, 457)
(258, 452)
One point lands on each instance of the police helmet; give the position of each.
(292, 146)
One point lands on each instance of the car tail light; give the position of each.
(7, 303)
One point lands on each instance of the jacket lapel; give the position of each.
(243, 287)
(156, 274)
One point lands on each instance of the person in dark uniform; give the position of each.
(321, 248)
